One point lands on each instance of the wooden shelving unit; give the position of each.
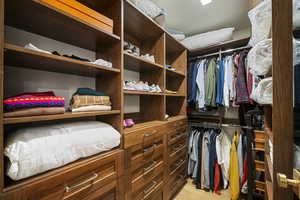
(131, 25)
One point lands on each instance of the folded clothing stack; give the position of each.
(86, 99)
(31, 104)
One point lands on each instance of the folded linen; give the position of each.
(89, 91)
(89, 100)
(32, 101)
(33, 150)
(35, 112)
(91, 108)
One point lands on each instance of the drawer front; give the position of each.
(145, 164)
(108, 192)
(177, 163)
(144, 137)
(177, 125)
(176, 182)
(175, 148)
(141, 157)
(177, 135)
(82, 180)
(148, 191)
(147, 177)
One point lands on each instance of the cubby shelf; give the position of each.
(129, 92)
(136, 63)
(175, 95)
(67, 115)
(175, 73)
(44, 20)
(27, 58)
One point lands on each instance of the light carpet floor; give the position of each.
(189, 192)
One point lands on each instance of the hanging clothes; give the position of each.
(234, 178)
(210, 84)
(241, 85)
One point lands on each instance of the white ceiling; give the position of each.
(191, 17)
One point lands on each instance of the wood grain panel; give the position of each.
(282, 111)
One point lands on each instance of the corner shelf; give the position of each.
(44, 20)
(139, 25)
(129, 92)
(27, 58)
(136, 63)
(67, 115)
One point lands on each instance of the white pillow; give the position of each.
(263, 93)
(296, 13)
(34, 150)
(204, 40)
(148, 7)
(260, 58)
(261, 21)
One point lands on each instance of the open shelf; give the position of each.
(173, 46)
(174, 73)
(37, 17)
(175, 95)
(138, 64)
(129, 92)
(141, 125)
(138, 25)
(67, 115)
(27, 58)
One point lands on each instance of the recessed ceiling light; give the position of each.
(205, 2)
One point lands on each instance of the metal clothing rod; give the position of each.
(221, 52)
(218, 125)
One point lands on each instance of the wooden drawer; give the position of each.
(143, 165)
(145, 136)
(259, 143)
(80, 181)
(176, 182)
(148, 189)
(153, 192)
(175, 148)
(175, 136)
(178, 163)
(177, 125)
(147, 177)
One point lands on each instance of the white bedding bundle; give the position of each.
(35, 150)
(260, 58)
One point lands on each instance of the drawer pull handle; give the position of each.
(69, 189)
(176, 148)
(150, 134)
(150, 167)
(149, 148)
(146, 191)
(179, 162)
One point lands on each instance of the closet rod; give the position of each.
(221, 52)
(218, 125)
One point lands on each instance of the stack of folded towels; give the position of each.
(31, 104)
(86, 99)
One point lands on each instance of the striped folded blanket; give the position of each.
(32, 100)
(89, 100)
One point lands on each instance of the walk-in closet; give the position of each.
(149, 100)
